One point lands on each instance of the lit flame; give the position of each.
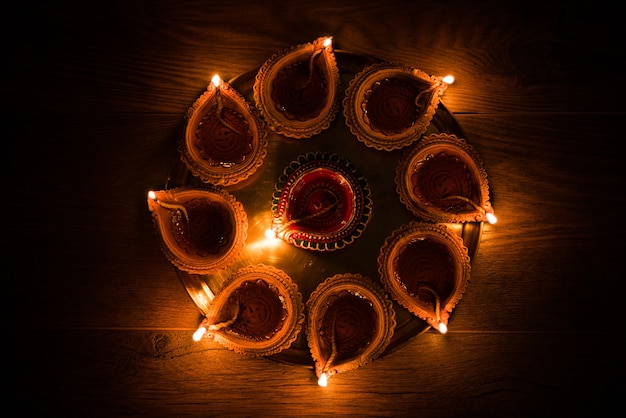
(327, 42)
(443, 83)
(216, 80)
(270, 234)
(197, 336)
(449, 79)
(443, 328)
(323, 380)
(491, 218)
(169, 206)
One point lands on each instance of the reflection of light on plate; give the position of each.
(263, 242)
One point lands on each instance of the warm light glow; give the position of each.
(449, 79)
(216, 80)
(491, 218)
(197, 336)
(327, 42)
(171, 206)
(323, 380)
(266, 245)
(443, 328)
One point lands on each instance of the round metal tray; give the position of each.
(309, 268)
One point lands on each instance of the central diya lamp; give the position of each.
(321, 202)
(225, 140)
(297, 89)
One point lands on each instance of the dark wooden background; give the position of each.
(99, 323)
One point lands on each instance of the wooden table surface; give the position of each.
(100, 324)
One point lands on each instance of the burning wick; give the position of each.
(218, 96)
(323, 380)
(443, 83)
(220, 105)
(326, 44)
(171, 206)
(449, 79)
(224, 324)
(423, 92)
(441, 326)
(197, 336)
(491, 218)
(199, 333)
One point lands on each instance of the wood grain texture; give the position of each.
(163, 373)
(99, 323)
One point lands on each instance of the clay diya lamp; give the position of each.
(350, 322)
(297, 89)
(442, 179)
(425, 267)
(224, 140)
(201, 230)
(321, 203)
(258, 311)
(389, 106)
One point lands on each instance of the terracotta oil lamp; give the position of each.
(201, 230)
(350, 322)
(389, 106)
(321, 202)
(258, 311)
(224, 140)
(425, 267)
(297, 89)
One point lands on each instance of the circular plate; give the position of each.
(309, 268)
(321, 202)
